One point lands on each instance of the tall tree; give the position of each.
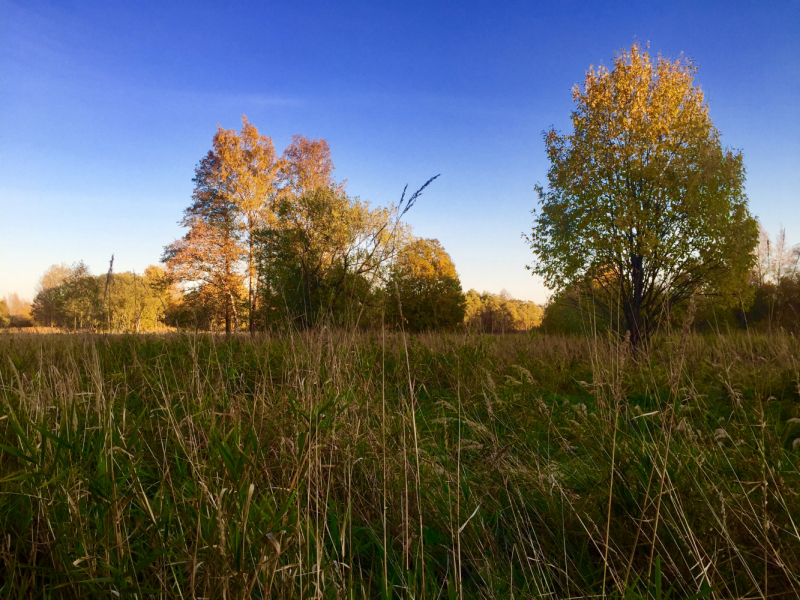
(323, 252)
(642, 198)
(248, 170)
(210, 254)
(48, 303)
(306, 166)
(80, 298)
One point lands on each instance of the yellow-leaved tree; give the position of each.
(644, 207)
(424, 290)
(248, 172)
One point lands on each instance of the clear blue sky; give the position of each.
(106, 107)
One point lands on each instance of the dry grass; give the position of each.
(329, 464)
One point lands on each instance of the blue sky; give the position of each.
(106, 107)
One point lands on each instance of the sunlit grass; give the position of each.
(329, 464)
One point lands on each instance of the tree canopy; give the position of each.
(424, 288)
(643, 206)
(271, 238)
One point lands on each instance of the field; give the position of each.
(330, 464)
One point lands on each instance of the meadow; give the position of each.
(329, 464)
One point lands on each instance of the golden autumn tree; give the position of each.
(643, 203)
(248, 172)
(424, 289)
(211, 253)
(306, 166)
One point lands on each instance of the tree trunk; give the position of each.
(634, 322)
(252, 272)
(232, 304)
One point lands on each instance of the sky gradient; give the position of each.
(106, 108)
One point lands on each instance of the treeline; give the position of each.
(500, 313)
(71, 297)
(274, 240)
(770, 301)
(15, 311)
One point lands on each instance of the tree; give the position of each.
(54, 276)
(643, 203)
(48, 302)
(307, 166)
(4, 313)
(210, 254)
(324, 253)
(137, 302)
(248, 172)
(69, 299)
(73, 298)
(424, 288)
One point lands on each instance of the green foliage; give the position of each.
(323, 257)
(571, 312)
(424, 290)
(500, 313)
(119, 302)
(643, 206)
(75, 303)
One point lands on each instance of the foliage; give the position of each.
(75, 302)
(210, 253)
(572, 312)
(775, 283)
(197, 309)
(137, 302)
(73, 298)
(770, 301)
(327, 464)
(500, 313)
(15, 311)
(642, 200)
(324, 255)
(308, 252)
(424, 290)
(249, 177)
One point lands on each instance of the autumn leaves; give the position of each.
(276, 238)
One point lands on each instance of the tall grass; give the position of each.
(329, 464)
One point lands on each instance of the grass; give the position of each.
(336, 465)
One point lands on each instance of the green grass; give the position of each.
(331, 465)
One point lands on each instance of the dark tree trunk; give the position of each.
(634, 319)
